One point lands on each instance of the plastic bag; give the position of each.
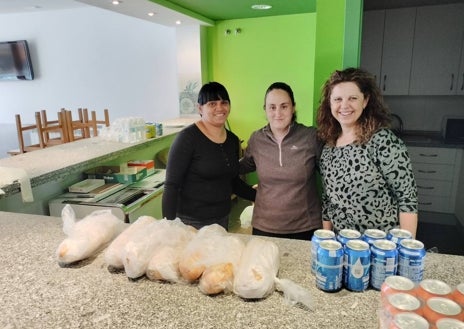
(212, 245)
(164, 262)
(257, 275)
(113, 254)
(246, 216)
(87, 236)
(138, 252)
(294, 293)
(257, 270)
(191, 264)
(221, 265)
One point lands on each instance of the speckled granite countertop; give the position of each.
(37, 293)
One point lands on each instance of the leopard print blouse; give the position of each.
(367, 186)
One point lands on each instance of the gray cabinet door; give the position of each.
(437, 50)
(372, 42)
(397, 51)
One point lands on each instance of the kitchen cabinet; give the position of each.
(460, 90)
(437, 49)
(372, 42)
(437, 176)
(419, 51)
(395, 41)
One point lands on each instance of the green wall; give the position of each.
(266, 50)
(301, 50)
(338, 35)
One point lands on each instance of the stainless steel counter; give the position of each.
(37, 293)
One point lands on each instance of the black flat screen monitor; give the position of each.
(15, 61)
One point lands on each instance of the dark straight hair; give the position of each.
(283, 86)
(212, 91)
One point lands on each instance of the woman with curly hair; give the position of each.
(366, 171)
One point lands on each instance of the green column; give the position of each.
(338, 39)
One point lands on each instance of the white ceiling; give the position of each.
(135, 8)
(17, 6)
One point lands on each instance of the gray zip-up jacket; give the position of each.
(286, 200)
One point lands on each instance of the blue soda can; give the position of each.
(159, 129)
(384, 262)
(347, 234)
(357, 263)
(397, 234)
(372, 234)
(318, 236)
(329, 267)
(411, 259)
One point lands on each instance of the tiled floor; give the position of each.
(238, 204)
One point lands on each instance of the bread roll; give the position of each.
(113, 254)
(217, 278)
(257, 270)
(191, 266)
(87, 236)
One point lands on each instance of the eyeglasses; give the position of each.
(214, 104)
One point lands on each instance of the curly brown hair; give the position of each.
(374, 117)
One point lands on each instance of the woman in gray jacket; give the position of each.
(284, 155)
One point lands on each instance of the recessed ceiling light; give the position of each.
(178, 22)
(261, 7)
(34, 7)
(151, 14)
(116, 2)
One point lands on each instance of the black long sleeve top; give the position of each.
(202, 175)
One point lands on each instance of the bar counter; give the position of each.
(57, 162)
(29, 181)
(38, 293)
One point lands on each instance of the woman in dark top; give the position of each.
(202, 170)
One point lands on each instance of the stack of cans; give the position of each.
(394, 264)
(367, 259)
(429, 304)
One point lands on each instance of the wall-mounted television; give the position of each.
(15, 61)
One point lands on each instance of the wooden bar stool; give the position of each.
(83, 125)
(98, 123)
(20, 129)
(106, 120)
(54, 126)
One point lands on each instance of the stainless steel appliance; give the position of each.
(128, 204)
(453, 130)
